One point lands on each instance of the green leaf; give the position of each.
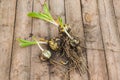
(60, 21)
(23, 40)
(40, 16)
(34, 15)
(44, 16)
(25, 43)
(46, 9)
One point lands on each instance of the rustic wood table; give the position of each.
(95, 21)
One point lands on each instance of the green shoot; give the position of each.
(39, 45)
(46, 16)
(46, 10)
(63, 26)
(60, 21)
(26, 43)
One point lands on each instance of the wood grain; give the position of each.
(20, 67)
(111, 38)
(39, 69)
(74, 18)
(57, 9)
(95, 21)
(7, 19)
(94, 44)
(116, 6)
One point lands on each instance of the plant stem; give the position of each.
(54, 22)
(64, 29)
(40, 42)
(68, 34)
(39, 46)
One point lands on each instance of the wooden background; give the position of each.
(95, 21)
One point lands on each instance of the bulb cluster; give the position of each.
(65, 42)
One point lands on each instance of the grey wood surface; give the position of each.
(97, 22)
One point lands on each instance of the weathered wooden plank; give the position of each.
(57, 9)
(39, 69)
(116, 4)
(74, 18)
(110, 38)
(20, 67)
(94, 44)
(7, 18)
